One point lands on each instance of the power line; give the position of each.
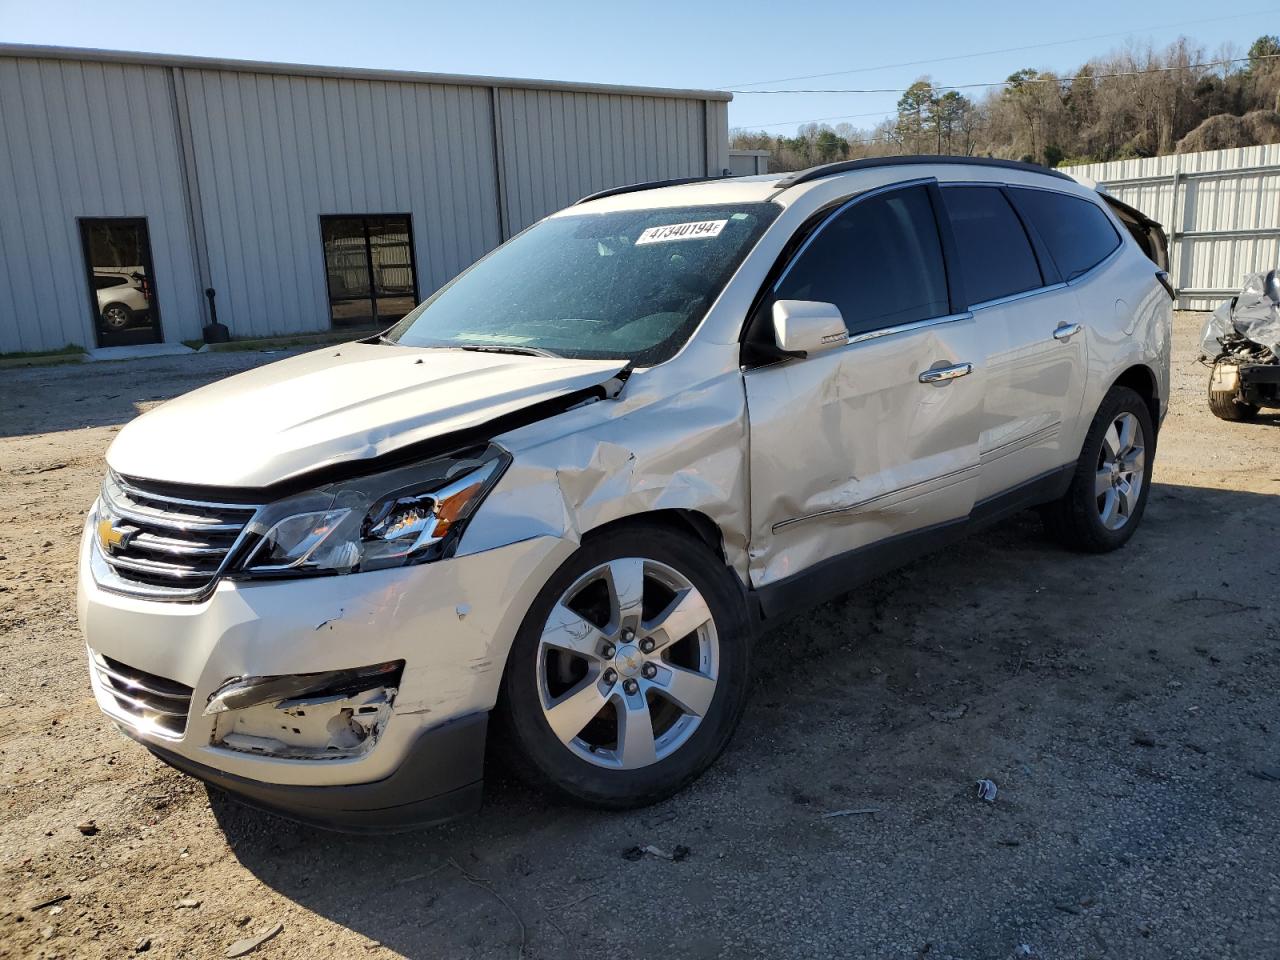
(845, 116)
(987, 53)
(1008, 83)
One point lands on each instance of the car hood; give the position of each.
(336, 405)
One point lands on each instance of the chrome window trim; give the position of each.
(1033, 292)
(845, 205)
(907, 327)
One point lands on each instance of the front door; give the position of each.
(122, 290)
(851, 447)
(369, 268)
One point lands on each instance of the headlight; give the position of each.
(408, 515)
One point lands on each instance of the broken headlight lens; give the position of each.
(385, 520)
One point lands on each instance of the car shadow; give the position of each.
(954, 655)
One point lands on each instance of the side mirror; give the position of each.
(802, 327)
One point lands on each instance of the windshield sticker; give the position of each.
(701, 230)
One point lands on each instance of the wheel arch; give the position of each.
(1141, 379)
(693, 522)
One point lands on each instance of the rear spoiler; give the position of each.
(1149, 233)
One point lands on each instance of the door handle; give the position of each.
(943, 374)
(1066, 331)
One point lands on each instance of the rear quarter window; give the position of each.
(1078, 234)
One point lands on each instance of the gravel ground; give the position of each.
(1125, 705)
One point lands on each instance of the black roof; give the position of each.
(869, 163)
(842, 166)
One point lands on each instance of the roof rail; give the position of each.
(647, 185)
(867, 163)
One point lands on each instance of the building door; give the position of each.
(117, 256)
(369, 268)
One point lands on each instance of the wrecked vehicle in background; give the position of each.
(567, 490)
(1240, 342)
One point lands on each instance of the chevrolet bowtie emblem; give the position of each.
(111, 537)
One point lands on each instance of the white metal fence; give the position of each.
(1221, 209)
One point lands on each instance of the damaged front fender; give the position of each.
(660, 445)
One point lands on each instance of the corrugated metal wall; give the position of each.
(275, 153)
(233, 167)
(85, 140)
(1221, 209)
(558, 147)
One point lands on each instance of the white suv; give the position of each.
(567, 490)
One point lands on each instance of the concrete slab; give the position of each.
(137, 352)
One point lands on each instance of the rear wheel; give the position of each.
(629, 673)
(1108, 492)
(117, 316)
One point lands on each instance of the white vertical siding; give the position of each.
(232, 165)
(83, 139)
(275, 153)
(560, 146)
(1209, 204)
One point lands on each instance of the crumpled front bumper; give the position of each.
(450, 622)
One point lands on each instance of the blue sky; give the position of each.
(657, 43)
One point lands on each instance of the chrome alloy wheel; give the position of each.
(627, 663)
(1121, 471)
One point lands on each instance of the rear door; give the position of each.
(1030, 321)
(849, 448)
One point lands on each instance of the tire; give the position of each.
(1224, 405)
(117, 316)
(1104, 504)
(602, 764)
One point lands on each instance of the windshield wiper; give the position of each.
(523, 351)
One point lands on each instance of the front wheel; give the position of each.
(1108, 492)
(1226, 404)
(629, 672)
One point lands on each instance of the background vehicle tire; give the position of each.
(630, 671)
(1224, 405)
(117, 316)
(1108, 492)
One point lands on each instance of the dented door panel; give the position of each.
(849, 447)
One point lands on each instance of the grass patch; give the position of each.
(70, 350)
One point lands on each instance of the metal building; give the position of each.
(304, 197)
(1221, 209)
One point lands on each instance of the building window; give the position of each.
(369, 268)
(117, 257)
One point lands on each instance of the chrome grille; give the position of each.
(142, 698)
(152, 543)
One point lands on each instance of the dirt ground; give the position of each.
(1125, 705)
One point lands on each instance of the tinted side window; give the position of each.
(1077, 233)
(996, 259)
(880, 262)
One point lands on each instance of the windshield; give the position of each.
(630, 285)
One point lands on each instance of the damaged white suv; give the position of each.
(567, 490)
